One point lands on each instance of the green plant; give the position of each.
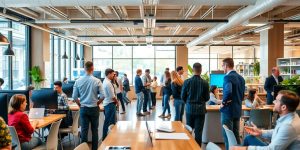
(204, 76)
(36, 77)
(295, 80)
(256, 68)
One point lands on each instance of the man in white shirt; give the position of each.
(286, 135)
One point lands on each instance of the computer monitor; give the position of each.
(217, 80)
(10, 93)
(68, 89)
(97, 74)
(294, 88)
(44, 99)
(4, 106)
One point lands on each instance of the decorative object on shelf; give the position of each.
(289, 67)
(36, 77)
(9, 51)
(256, 68)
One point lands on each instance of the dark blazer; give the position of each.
(270, 82)
(233, 94)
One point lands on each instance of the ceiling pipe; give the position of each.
(48, 12)
(245, 14)
(22, 13)
(58, 12)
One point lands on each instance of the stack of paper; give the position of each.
(171, 136)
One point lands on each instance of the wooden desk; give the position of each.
(217, 107)
(134, 134)
(75, 107)
(48, 120)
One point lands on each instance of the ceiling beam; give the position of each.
(121, 36)
(136, 21)
(83, 11)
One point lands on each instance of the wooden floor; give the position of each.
(130, 115)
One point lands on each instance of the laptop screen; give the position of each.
(149, 132)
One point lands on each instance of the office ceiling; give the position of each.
(125, 22)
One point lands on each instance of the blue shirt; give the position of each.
(87, 89)
(138, 84)
(109, 92)
(285, 136)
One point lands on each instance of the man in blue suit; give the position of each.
(272, 80)
(233, 94)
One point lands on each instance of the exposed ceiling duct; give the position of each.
(245, 14)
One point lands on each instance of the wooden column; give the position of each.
(182, 58)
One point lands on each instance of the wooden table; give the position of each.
(75, 107)
(134, 134)
(45, 121)
(217, 107)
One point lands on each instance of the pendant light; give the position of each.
(9, 51)
(65, 56)
(77, 57)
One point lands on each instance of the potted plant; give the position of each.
(36, 77)
(256, 68)
(204, 76)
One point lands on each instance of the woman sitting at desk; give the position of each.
(18, 119)
(253, 101)
(214, 96)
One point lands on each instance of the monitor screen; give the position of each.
(68, 89)
(4, 106)
(10, 93)
(217, 80)
(44, 99)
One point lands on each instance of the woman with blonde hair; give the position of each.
(18, 119)
(176, 86)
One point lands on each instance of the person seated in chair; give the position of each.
(286, 135)
(63, 107)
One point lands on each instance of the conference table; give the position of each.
(75, 107)
(212, 130)
(135, 135)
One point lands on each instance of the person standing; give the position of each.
(138, 88)
(272, 80)
(233, 95)
(119, 91)
(166, 98)
(162, 85)
(146, 79)
(126, 89)
(85, 94)
(180, 72)
(110, 101)
(153, 91)
(176, 87)
(195, 93)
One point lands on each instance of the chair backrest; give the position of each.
(75, 124)
(212, 146)
(82, 146)
(110, 127)
(189, 128)
(52, 140)
(230, 136)
(261, 118)
(14, 136)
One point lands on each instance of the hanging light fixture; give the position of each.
(9, 51)
(77, 57)
(82, 58)
(3, 40)
(65, 56)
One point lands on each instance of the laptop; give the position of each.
(149, 132)
(36, 113)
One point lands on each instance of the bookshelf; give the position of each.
(288, 67)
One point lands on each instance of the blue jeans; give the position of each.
(251, 140)
(147, 100)
(153, 98)
(197, 123)
(179, 109)
(233, 124)
(166, 104)
(270, 99)
(34, 142)
(125, 98)
(110, 118)
(89, 115)
(120, 98)
(139, 103)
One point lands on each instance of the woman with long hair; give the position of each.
(214, 96)
(253, 101)
(176, 86)
(18, 119)
(167, 92)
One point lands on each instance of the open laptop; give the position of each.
(36, 113)
(149, 132)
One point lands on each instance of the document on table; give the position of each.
(171, 136)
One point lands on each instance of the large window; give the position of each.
(14, 69)
(127, 59)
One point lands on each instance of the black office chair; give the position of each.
(261, 118)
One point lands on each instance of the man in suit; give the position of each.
(272, 80)
(233, 94)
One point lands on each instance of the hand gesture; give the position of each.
(253, 130)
